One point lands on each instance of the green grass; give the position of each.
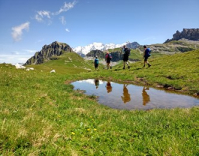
(179, 71)
(70, 63)
(41, 114)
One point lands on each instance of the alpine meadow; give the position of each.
(41, 114)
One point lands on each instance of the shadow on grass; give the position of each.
(138, 68)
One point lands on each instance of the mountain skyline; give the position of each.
(28, 25)
(96, 46)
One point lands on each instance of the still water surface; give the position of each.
(128, 96)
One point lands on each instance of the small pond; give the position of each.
(128, 96)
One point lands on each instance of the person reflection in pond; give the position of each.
(126, 96)
(108, 87)
(145, 96)
(96, 81)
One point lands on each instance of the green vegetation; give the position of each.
(68, 63)
(41, 114)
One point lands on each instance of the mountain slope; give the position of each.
(49, 52)
(67, 63)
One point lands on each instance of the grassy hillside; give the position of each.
(175, 46)
(66, 63)
(41, 114)
(177, 72)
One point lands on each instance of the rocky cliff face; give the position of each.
(95, 53)
(49, 52)
(132, 45)
(190, 34)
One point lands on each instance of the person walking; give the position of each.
(146, 55)
(126, 53)
(108, 58)
(126, 96)
(108, 87)
(145, 96)
(96, 63)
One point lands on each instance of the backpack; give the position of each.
(108, 56)
(127, 51)
(148, 52)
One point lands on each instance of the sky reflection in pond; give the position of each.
(128, 96)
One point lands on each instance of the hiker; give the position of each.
(96, 63)
(96, 81)
(108, 87)
(146, 55)
(108, 58)
(126, 53)
(126, 96)
(145, 96)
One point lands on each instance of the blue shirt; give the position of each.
(147, 52)
(96, 61)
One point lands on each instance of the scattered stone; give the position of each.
(18, 66)
(196, 94)
(52, 71)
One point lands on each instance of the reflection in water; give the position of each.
(145, 96)
(96, 81)
(122, 96)
(126, 96)
(108, 87)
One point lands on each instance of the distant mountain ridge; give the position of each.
(49, 52)
(189, 34)
(100, 46)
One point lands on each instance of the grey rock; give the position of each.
(49, 52)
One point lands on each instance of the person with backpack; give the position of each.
(108, 58)
(126, 53)
(96, 63)
(146, 55)
(108, 87)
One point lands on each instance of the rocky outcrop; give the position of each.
(95, 53)
(190, 34)
(49, 52)
(132, 45)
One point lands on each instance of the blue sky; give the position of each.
(27, 25)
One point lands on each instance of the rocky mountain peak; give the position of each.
(190, 34)
(48, 52)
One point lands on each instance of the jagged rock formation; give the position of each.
(132, 45)
(95, 53)
(190, 34)
(49, 52)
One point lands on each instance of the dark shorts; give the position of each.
(146, 58)
(108, 61)
(96, 65)
(125, 58)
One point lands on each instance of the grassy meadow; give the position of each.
(41, 114)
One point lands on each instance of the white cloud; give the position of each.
(18, 31)
(62, 19)
(13, 59)
(67, 30)
(42, 14)
(66, 7)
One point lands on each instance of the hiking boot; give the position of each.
(123, 67)
(143, 66)
(128, 67)
(149, 65)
